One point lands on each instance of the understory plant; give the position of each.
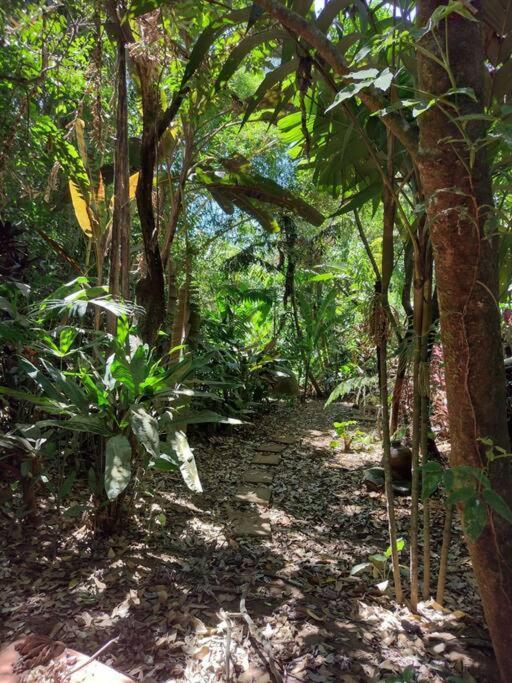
(379, 564)
(129, 407)
(470, 488)
(348, 433)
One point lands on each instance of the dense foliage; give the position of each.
(208, 206)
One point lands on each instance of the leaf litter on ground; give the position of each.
(170, 583)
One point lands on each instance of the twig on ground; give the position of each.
(258, 641)
(227, 646)
(94, 656)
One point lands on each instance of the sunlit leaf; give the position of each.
(132, 185)
(100, 192)
(81, 209)
(118, 471)
(145, 428)
(181, 448)
(80, 139)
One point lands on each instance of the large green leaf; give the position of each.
(118, 470)
(92, 424)
(180, 447)
(145, 428)
(498, 504)
(359, 198)
(167, 461)
(475, 518)
(244, 47)
(138, 7)
(40, 379)
(273, 78)
(208, 37)
(121, 371)
(67, 387)
(50, 406)
(248, 190)
(198, 417)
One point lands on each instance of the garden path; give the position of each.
(193, 595)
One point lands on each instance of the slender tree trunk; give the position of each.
(382, 339)
(125, 218)
(178, 194)
(456, 183)
(403, 358)
(172, 298)
(433, 451)
(445, 550)
(120, 246)
(388, 478)
(150, 290)
(416, 419)
(424, 387)
(421, 323)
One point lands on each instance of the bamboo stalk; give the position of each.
(445, 548)
(386, 447)
(416, 423)
(424, 410)
(381, 327)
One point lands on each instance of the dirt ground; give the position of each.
(188, 600)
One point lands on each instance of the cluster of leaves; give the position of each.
(470, 488)
(113, 389)
(348, 433)
(243, 363)
(380, 564)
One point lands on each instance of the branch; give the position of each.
(331, 55)
(364, 240)
(170, 113)
(261, 646)
(94, 656)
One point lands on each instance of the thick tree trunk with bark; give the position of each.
(150, 289)
(456, 184)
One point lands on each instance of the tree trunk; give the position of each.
(381, 329)
(120, 247)
(421, 321)
(150, 289)
(404, 353)
(424, 387)
(456, 184)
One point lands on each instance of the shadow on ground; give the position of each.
(170, 586)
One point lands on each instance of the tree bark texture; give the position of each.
(150, 289)
(456, 184)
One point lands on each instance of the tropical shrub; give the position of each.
(129, 408)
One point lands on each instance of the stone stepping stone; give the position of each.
(266, 459)
(257, 477)
(271, 447)
(250, 524)
(288, 440)
(254, 494)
